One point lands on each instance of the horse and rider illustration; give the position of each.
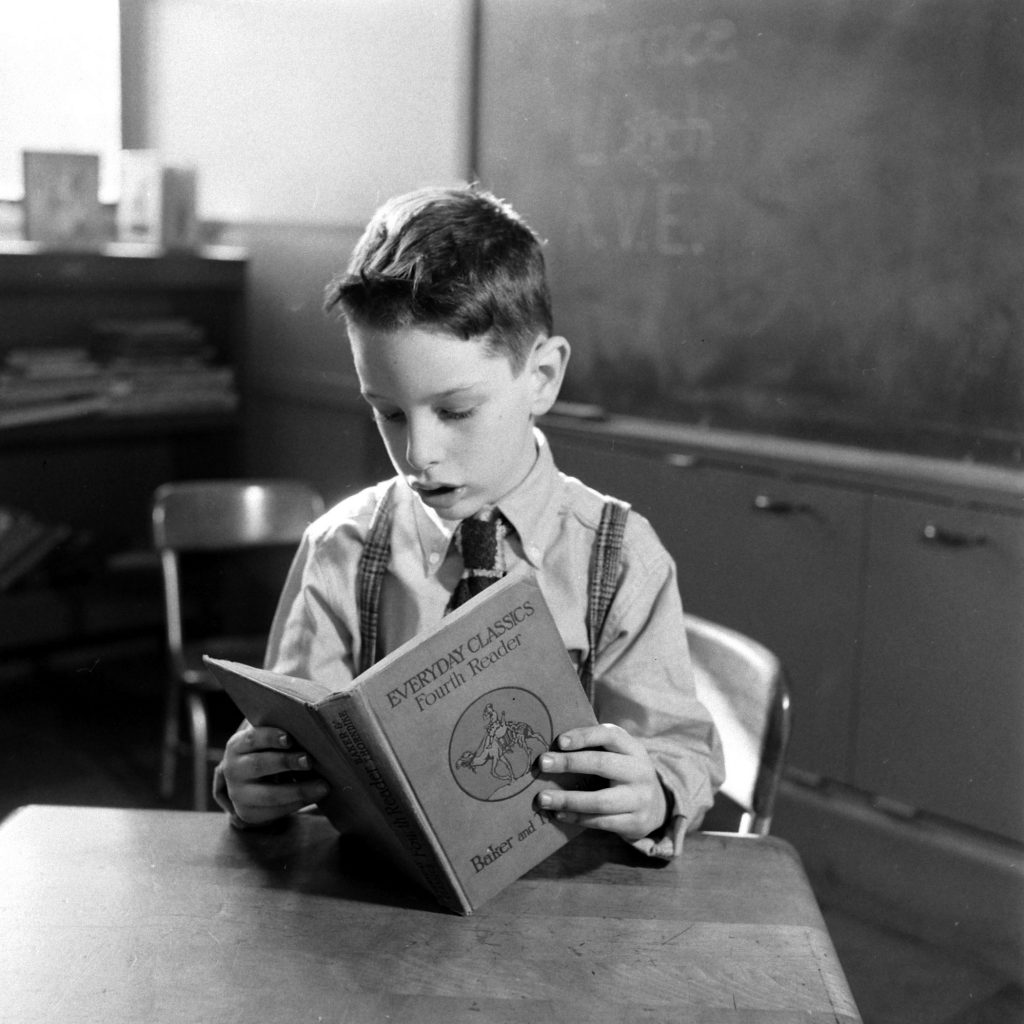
(504, 748)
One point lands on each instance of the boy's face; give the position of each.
(457, 423)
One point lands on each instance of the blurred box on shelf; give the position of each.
(158, 201)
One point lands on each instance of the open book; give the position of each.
(432, 752)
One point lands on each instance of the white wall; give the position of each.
(308, 111)
(59, 85)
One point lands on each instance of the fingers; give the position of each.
(252, 753)
(262, 764)
(258, 764)
(605, 750)
(610, 737)
(632, 804)
(631, 811)
(600, 802)
(252, 737)
(264, 800)
(257, 803)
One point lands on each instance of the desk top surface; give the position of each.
(115, 915)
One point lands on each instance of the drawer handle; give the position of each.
(781, 507)
(934, 534)
(682, 460)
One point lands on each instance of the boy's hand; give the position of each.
(633, 804)
(254, 760)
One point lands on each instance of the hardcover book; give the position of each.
(432, 753)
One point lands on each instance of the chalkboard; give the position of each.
(802, 217)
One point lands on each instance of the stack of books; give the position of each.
(24, 544)
(161, 366)
(131, 367)
(42, 384)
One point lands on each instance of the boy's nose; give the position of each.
(422, 446)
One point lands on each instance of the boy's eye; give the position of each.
(455, 414)
(397, 416)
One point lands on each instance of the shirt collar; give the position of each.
(531, 508)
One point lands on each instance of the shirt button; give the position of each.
(434, 558)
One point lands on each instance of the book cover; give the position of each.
(433, 751)
(62, 204)
(53, 411)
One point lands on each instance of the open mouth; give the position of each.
(433, 490)
(438, 496)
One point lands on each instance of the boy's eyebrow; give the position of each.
(440, 396)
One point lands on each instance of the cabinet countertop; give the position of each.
(956, 481)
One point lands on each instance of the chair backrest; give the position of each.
(223, 515)
(205, 515)
(743, 686)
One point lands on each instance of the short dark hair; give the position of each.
(452, 259)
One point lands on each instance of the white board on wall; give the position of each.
(308, 111)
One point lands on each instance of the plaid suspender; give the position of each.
(604, 579)
(373, 563)
(604, 569)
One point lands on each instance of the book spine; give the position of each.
(353, 723)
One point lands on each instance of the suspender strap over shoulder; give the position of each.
(373, 564)
(604, 577)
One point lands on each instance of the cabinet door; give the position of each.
(941, 722)
(779, 560)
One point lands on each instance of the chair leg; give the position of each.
(171, 740)
(200, 750)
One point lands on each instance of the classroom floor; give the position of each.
(90, 738)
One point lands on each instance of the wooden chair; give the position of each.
(191, 520)
(743, 686)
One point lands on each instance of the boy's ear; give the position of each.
(547, 364)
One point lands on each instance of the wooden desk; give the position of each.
(128, 916)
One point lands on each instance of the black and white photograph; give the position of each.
(512, 511)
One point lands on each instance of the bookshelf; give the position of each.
(87, 459)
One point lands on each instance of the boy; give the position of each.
(449, 321)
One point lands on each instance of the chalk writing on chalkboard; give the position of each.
(796, 216)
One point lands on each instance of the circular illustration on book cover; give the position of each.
(496, 742)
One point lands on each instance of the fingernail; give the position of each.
(303, 762)
(563, 742)
(284, 739)
(547, 762)
(544, 799)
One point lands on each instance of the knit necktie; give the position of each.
(479, 538)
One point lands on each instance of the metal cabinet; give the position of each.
(899, 614)
(941, 689)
